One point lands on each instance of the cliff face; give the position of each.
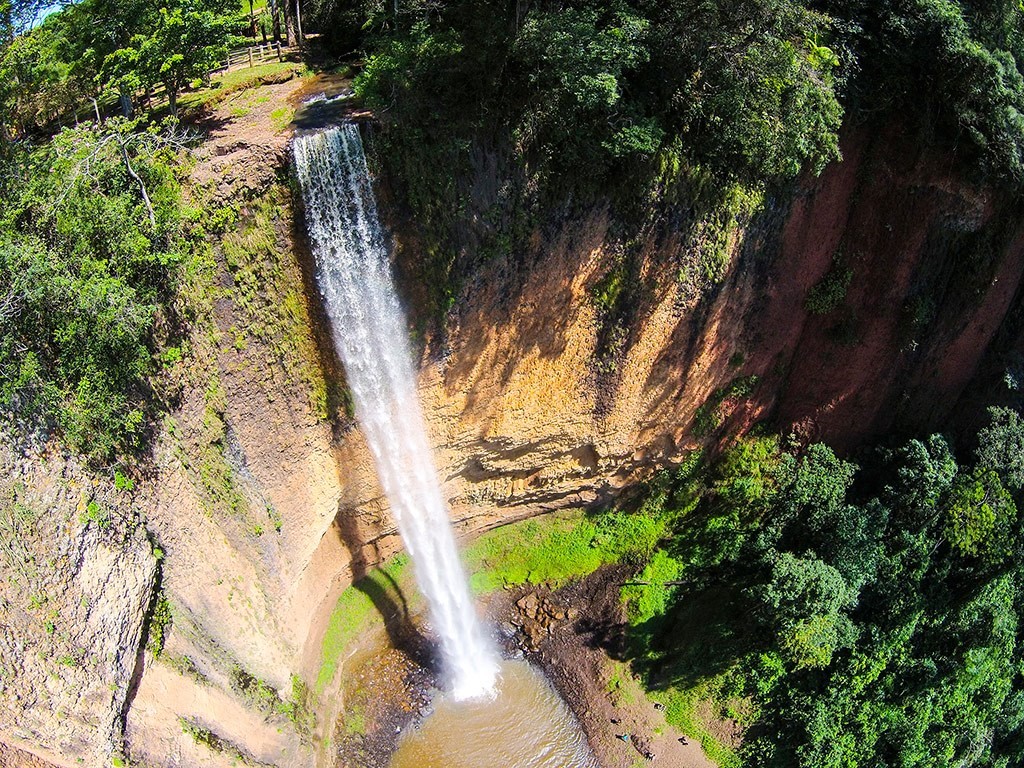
(264, 504)
(878, 298)
(77, 576)
(931, 306)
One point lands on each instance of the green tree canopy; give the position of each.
(88, 269)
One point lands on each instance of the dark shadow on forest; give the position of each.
(701, 635)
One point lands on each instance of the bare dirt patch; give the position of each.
(582, 656)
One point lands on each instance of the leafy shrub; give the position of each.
(160, 620)
(257, 693)
(829, 292)
(708, 416)
(94, 513)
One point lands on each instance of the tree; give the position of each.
(805, 599)
(886, 614)
(87, 264)
(980, 517)
(1001, 446)
(950, 65)
(747, 85)
(23, 56)
(95, 31)
(185, 41)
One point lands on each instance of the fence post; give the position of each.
(250, 55)
(279, 56)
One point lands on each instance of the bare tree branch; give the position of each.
(142, 186)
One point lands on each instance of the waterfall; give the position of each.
(370, 334)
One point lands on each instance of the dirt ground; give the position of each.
(574, 635)
(578, 655)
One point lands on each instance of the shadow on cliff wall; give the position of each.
(386, 594)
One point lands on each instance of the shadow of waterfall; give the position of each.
(386, 594)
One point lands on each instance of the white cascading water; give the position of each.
(370, 334)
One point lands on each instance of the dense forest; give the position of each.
(848, 615)
(865, 610)
(669, 109)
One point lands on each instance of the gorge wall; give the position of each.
(261, 501)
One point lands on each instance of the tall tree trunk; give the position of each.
(289, 23)
(127, 108)
(275, 18)
(298, 21)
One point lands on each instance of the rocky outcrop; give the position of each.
(537, 616)
(77, 574)
(262, 496)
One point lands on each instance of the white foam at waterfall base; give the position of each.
(370, 334)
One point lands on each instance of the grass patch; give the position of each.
(258, 694)
(257, 6)
(622, 687)
(355, 720)
(829, 292)
(186, 667)
(709, 416)
(267, 294)
(159, 625)
(354, 612)
(203, 735)
(299, 710)
(681, 711)
(215, 473)
(281, 118)
(559, 547)
(200, 734)
(235, 81)
(609, 289)
(649, 595)
(723, 212)
(17, 526)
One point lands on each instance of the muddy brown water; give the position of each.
(525, 725)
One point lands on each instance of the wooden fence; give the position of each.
(251, 56)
